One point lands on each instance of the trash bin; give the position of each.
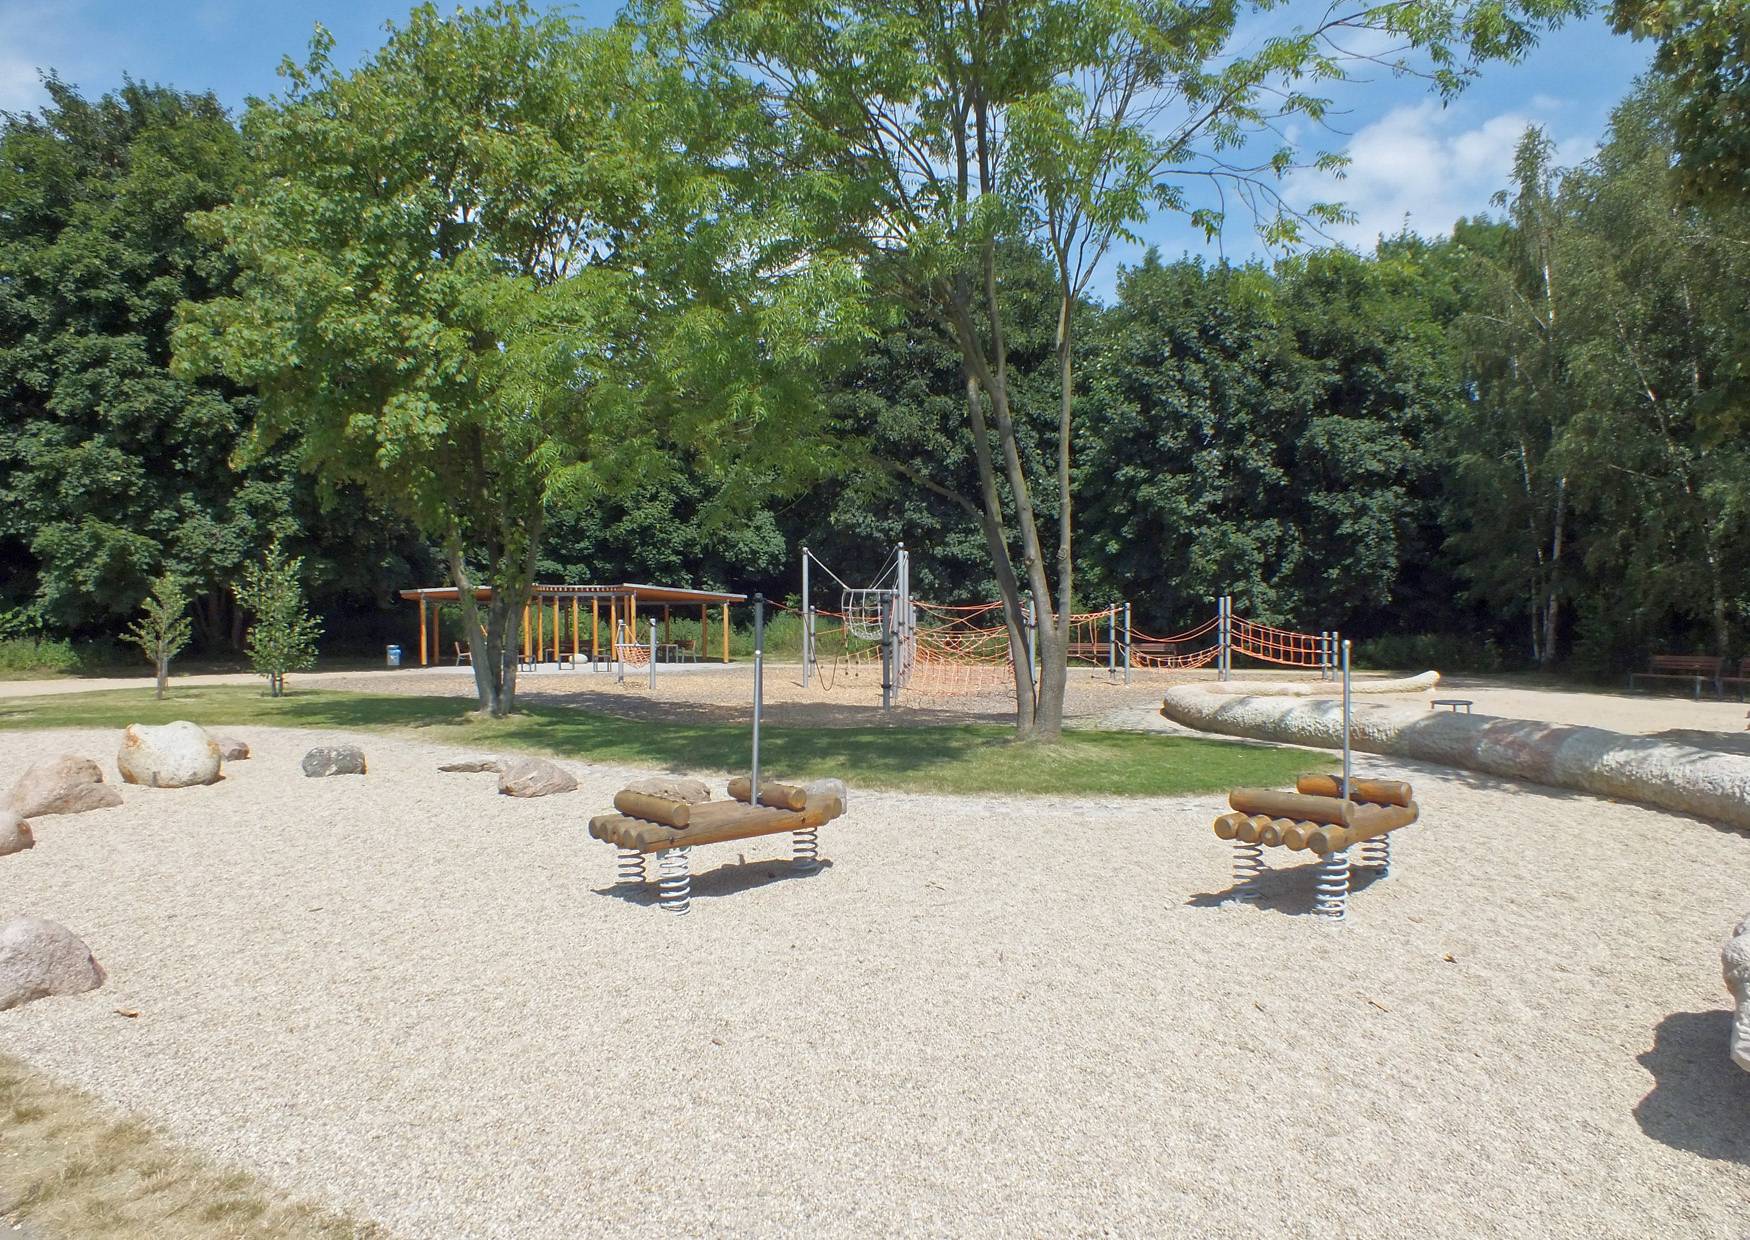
(394, 654)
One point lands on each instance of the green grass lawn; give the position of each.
(961, 759)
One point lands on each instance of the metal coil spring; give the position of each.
(1333, 887)
(1376, 854)
(675, 884)
(805, 848)
(631, 868)
(1248, 869)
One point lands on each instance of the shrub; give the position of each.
(1442, 652)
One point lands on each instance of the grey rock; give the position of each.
(1735, 963)
(64, 785)
(334, 760)
(534, 777)
(175, 755)
(39, 958)
(15, 833)
(473, 766)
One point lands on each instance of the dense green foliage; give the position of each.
(1519, 445)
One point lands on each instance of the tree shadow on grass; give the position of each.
(1700, 1101)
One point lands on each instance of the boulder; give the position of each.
(1735, 962)
(231, 749)
(64, 785)
(673, 788)
(176, 755)
(334, 760)
(533, 777)
(15, 833)
(473, 766)
(39, 958)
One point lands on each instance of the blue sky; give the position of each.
(1412, 157)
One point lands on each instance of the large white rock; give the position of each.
(176, 755)
(1735, 962)
(15, 833)
(39, 958)
(533, 777)
(65, 785)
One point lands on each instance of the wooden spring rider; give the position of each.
(1327, 815)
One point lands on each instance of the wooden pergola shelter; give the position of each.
(542, 639)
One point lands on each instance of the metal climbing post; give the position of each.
(886, 653)
(1127, 641)
(1112, 642)
(759, 688)
(1226, 660)
(651, 675)
(807, 626)
(1345, 720)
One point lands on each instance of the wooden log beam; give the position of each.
(1371, 791)
(1326, 811)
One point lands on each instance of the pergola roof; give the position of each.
(635, 590)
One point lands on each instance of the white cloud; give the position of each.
(1424, 164)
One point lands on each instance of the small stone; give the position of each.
(231, 749)
(334, 760)
(15, 833)
(534, 777)
(1735, 964)
(64, 785)
(673, 788)
(176, 755)
(39, 958)
(473, 766)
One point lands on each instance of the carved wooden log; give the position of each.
(1371, 791)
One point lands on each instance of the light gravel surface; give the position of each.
(417, 1000)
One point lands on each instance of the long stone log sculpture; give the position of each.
(1683, 778)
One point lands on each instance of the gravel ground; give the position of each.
(417, 1000)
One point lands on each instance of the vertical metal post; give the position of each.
(1345, 720)
(1226, 627)
(759, 687)
(652, 673)
(619, 652)
(1032, 624)
(807, 626)
(886, 652)
(902, 621)
(1112, 642)
(1127, 641)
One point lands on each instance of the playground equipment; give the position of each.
(881, 613)
(1325, 815)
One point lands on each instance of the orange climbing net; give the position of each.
(1283, 647)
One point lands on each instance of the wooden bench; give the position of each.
(1742, 679)
(1315, 818)
(686, 826)
(1694, 668)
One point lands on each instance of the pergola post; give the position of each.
(422, 638)
(613, 627)
(595, 630)
(526, 632)
(726, 632)
(632, 619)
(575, 650)
(556, 628)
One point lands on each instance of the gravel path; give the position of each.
(417, 1000)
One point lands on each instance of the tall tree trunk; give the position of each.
(997, 542)
(1553, 579)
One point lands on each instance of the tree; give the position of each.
(163, 630)
(503, 262)
(1702, 48)
(283, 636)
(111, 467)
(937, 131)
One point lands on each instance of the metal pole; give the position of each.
(807, 637)
(1112, 642)
(887, 653)
(1226, 636)
(1345, 720)
(902, 629)
(619, 652)
(653, 652)
(759, 688)
(1127, 641)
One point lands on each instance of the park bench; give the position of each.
(1692, 668)
(1741, 680)
(1315, 818)
(645, 824)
